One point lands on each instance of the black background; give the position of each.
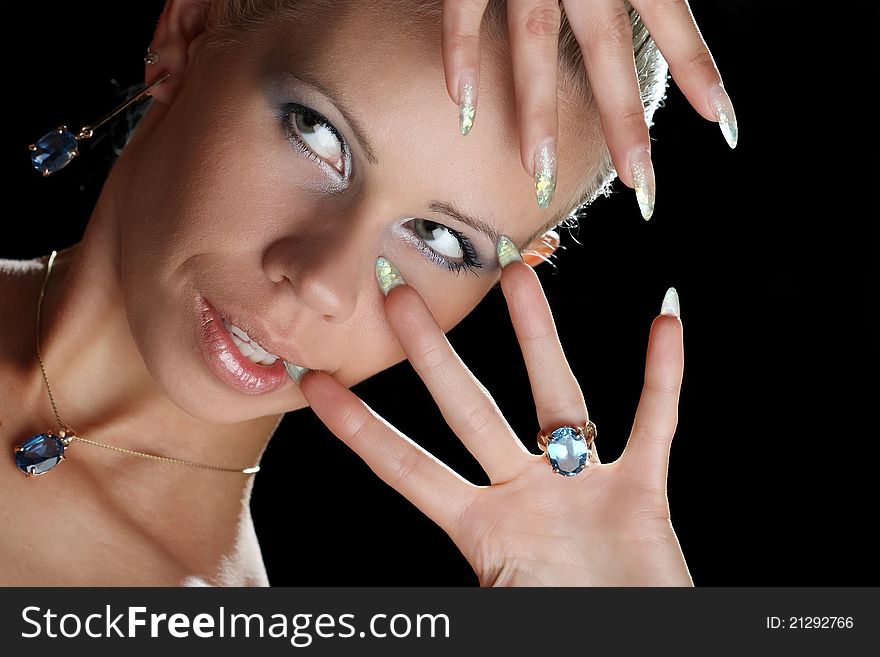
(770, 246)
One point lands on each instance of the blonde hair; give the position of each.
(230, 20)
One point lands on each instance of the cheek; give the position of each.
(216, 184)
(375, 345)
(449, 298)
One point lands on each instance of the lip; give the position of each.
(228, 363)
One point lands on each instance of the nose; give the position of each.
(325, 272)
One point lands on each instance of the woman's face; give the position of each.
(239, 193)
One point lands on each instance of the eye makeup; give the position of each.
(288, 116)
(470, 260)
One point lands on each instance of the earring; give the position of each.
(54, 150)
(151, 57)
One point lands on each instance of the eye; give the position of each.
(445, 242)
(315, 136)
(445, 246)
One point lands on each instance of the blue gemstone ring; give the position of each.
(569, 449)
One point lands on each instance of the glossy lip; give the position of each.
(228, 363)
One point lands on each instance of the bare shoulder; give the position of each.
(19, 286)
(17, 278)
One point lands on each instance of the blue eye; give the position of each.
(449, 246)
(315, 136)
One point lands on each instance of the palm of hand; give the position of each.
(609, 525)
(600, 528)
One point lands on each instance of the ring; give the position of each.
(568, 448)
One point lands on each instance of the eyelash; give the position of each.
(311, 116)
(471, 260)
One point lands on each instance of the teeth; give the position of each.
(243, 347)
(240, 333)
(249, 349)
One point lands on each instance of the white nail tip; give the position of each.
(725, 115)
(670, 304)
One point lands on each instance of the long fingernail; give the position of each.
(467, 99)
(295, 371)
(725, 115)
(388, 275)
(670, 305)
(507, 252)
(545, 172)
(642, 170)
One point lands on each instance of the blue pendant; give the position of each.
(53, 151)
(39, 454)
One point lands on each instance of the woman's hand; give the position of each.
(602, 29)
(606, 526)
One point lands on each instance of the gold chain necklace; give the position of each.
(44, 451)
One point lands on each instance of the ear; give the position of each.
(541, 248)
(179, 25)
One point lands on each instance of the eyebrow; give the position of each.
(450, 210)
(356, 128)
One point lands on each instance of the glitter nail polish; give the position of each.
(388, 275)
(466, 104)
(642, 171)
(545, 172)
(507, 252)
(295, 371)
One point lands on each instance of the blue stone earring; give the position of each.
(54, 150)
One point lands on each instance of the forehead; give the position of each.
(386, 70)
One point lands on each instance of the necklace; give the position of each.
(42, 452)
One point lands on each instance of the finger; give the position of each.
(604, 32)
(647, 450)
(465, 403)
(533, 26)
(676, 34)
(460, 46)
(558, 397)
(435, 489)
